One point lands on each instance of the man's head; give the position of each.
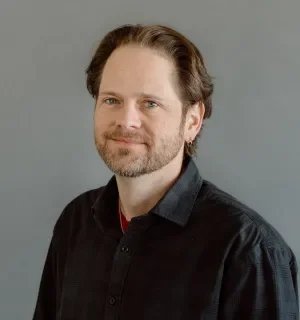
(150, 86)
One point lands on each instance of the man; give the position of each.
(159, 242)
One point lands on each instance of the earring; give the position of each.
(190, 142)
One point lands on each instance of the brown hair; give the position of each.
(193, 82)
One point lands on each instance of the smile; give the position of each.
(125, 142)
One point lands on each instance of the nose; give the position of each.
(128, 115)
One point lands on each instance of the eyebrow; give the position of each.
(139, 94)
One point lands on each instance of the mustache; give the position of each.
(121, 134)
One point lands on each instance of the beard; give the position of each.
(138, 160)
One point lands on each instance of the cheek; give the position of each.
(160, 131)
(99, 129)
(100, 121)
(166, 127)
(97, 124)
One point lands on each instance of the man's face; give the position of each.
(137, 101)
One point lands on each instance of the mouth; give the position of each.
(125, 141)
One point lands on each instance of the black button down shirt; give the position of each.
(198, 254)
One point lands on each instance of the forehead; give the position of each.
(133, 68)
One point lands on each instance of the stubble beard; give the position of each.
(128, 162)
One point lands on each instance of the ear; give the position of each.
(194, 120)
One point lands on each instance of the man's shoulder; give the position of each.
(248, 228)
(77, 210)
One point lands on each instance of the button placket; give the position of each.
(124, 249)
(121, 264)
(112, 301)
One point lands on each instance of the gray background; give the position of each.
(250, 147)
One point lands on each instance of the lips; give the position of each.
(127, 141)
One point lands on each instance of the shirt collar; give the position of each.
(176, 205)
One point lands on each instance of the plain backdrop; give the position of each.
(250, 147)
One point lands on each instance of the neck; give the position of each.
(139, 195)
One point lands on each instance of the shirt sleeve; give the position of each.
(261, 285)
(45, 308)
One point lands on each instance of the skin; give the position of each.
(138, 101)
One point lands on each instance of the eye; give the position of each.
(150, 104)
(110, 101)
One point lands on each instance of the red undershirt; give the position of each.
(123, 221)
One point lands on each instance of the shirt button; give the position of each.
(112, 300)
(124, 249)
